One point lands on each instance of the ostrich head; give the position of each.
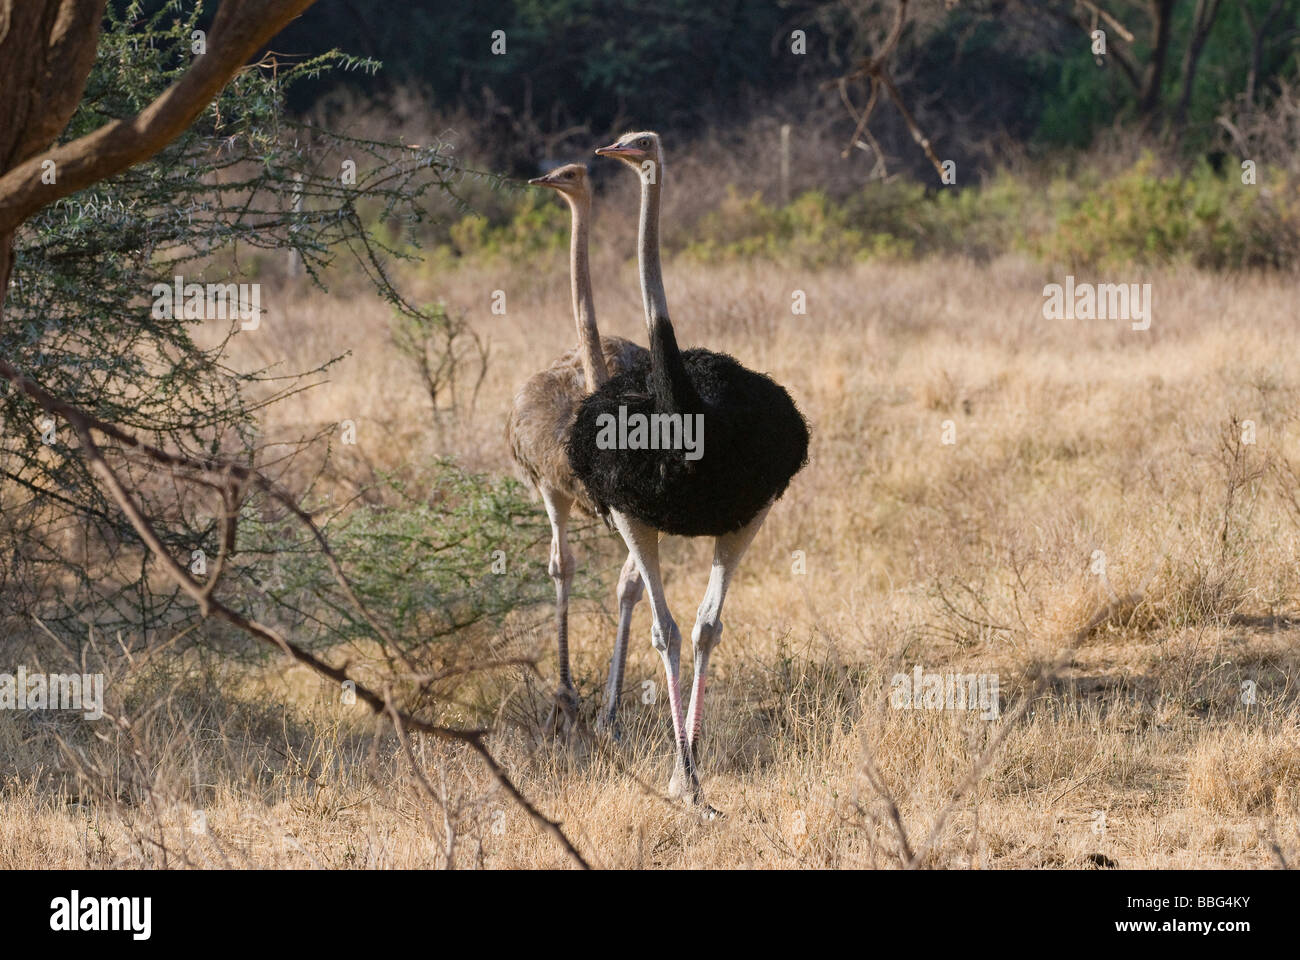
(634, 149)
(569, 180)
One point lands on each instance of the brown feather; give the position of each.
(542, 414)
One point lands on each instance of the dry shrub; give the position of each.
(1241, 771)
(940, 392)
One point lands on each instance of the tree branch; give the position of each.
(84, 423)
(876, 69)
(238, 30)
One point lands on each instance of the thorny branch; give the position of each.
(236, 478)
(239, 29)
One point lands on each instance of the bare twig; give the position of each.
(876, 70)
(86, 425)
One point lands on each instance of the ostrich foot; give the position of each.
(684, 787)
(563, 715)
(608, 725)
(680, 788)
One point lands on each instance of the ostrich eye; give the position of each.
(569, 175)
(644, 142)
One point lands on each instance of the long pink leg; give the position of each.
(643, 544)
(727, 552)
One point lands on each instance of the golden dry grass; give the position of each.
(1076, 443)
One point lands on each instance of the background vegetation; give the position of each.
(924, 310)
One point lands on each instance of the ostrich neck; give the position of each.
(669, 381)
(584, 306)
(652, 278)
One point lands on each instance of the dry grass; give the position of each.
(1074, 441)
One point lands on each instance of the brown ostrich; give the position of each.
(538, 432)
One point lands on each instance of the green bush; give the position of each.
(811, 230)
(890, 220)
(431, 556)
(1201, 218)
(537, 226)
(1078, 218)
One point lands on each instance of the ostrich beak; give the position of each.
(541, 181)
(615, 150)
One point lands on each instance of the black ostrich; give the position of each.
(754, 440)
(688, 443)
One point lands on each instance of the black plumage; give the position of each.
(754, 441)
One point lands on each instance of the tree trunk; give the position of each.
(1202, 23)
(47, 48)
(1257, 34)
(60, 65)
(1161, 25)
(6, 264)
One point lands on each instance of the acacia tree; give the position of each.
(243, 179)
(47, 50)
